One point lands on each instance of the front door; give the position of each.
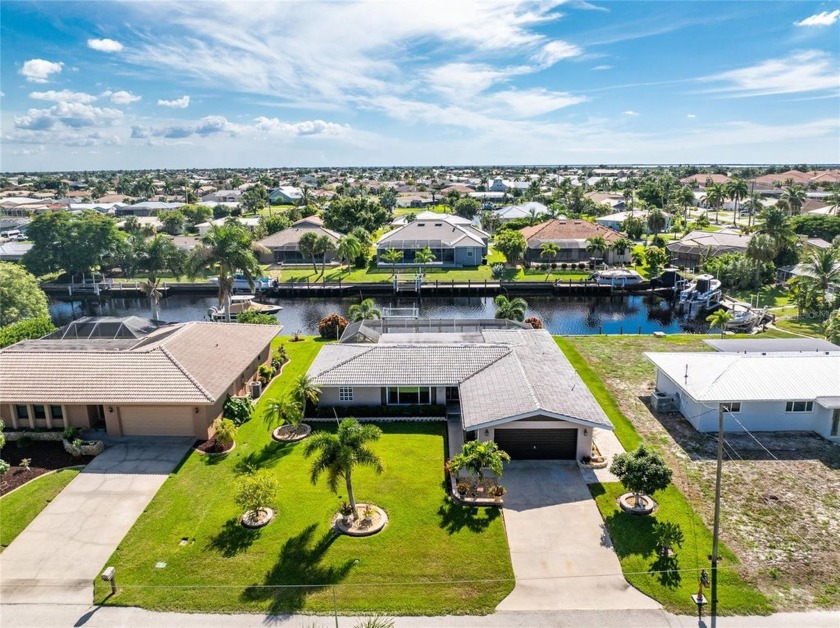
(835, 422)
(96, 416)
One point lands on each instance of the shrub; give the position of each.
(553, 265)
(4, 467)
(257, 491)
(225, 433)
(332, 326)
(70, 433)
(534, 322)
(581, 265)
(563, 265)
(497, 270)
(28, 329)
(642, 472)
(238, 409)
(23, 442)
(463, 488)
(265, 373)
(254, 317)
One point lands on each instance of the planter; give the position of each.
(362, 526)
(87, 448)
(210, 452)
(251, 520)
(627, 502)
(284, 433)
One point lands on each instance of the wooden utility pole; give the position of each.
(716, 531)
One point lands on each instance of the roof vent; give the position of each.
(438, 224)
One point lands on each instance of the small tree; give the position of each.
(284, 411)
(476, 456)
(511, 244)
(332, 326)
(364, 311)
(832, 328)
(305, 391)
(655, 258)
(510, 309)
(718, 320)
(549, 250)
(225, 433)
(424, 256)
(255, 317)
(392, 257)
(642, 472)
(256, 492)
(668, 535)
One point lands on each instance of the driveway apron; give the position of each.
(58, 556)
(562, 555)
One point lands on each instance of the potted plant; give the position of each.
(462, 488)
(497, 491)
(346, 512)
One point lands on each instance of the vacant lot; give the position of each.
(781, 517)
(187, 552)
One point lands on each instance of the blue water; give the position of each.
(560, 315)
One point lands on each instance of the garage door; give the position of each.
(538, 444)
(156, 421)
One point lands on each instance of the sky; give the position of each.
(190, 84)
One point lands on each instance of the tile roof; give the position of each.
(718, 242)
(185, 363)
(560, 230)
(437, 230)
(290, 238)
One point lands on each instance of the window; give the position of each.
(56, 413)
(799, 406)
(409, 395)
(732, 407)
(345, 394)
(22, 412)
(39, 411)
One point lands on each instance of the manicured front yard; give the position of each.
(384, 274)
(18, 509)
(433, 558)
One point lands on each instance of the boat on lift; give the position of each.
(616, 277)
(703, 289)
(242, 303)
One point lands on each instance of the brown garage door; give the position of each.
(156, 421)
(538, 444)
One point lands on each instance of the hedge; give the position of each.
(25, 330)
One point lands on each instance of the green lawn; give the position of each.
(672, 580)
(433, 558)
(458, 275)
(18, 509)
(768, 296)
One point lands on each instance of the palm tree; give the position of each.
(349, 248)
(833, 200)
(656, 221)
(476, 456)
(549, 250)
(424, 256)
(777, 225)
(308, 247)
(715, 195)
(597, 245)
(737, 190)
(323, 246)
(152, 291)
(761, 249)
(823, 267)
(718, 319)
(305, 390)
(364, 311)
(533, 216)
(510, 309)
(393, 257)
(794, 197)
(227, 250)
(156, 255)
(686, 197)
(339, 453)
(284, 411)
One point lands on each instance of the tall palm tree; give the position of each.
(510, 309)
(621, 246)
(364, 311)
(158, 255)
(338, 454)
(718, 319)
(323, 246)
(597, 245)
(656, 221)
(715, 195)
(226, 250)
(686, 198)
(823, 266)
(392, 257)
(308, 246)
(777, 225)
(761, 249)
(794, 197)
(349, 248)
(424, 256)
(549, 250)
(737, 190)
(305, 390)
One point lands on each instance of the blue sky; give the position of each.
(192, 84)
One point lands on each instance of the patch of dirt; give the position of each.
(780, 516)
(211, 447)
(45, 456)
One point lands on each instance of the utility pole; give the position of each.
(716, 531)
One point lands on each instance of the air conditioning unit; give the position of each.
(661, 402)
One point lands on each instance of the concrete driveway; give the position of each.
(57, 557)
(562, 555)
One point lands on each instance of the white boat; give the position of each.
(240, 303)
(703, 289)
(616, 277)
(240, 282)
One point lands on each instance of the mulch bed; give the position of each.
(210, 447)
(45, 456)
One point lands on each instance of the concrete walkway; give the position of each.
(608, 445)
(57, 557)
(65, 616)
(562, 555)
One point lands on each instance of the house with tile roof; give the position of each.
(453, 243)
(570, 235)
(132, 376)
(694, 247)
(503, 381)
(283, 247)
(765, 391)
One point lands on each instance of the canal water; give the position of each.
(629, 314)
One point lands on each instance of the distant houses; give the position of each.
(453, 241)
(615, 221)
(571, 238)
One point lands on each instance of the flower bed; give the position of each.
(477, 494)
(84, 448)
(595, 461)
(211, 447)
(369, 520)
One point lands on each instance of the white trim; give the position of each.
(534, 413)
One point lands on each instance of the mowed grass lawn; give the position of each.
(18, 509)
(433, 558)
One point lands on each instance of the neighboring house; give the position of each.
(223, 196)
(427, 215)
(251, 222)
(145, 208)
(696, 246)
(615, 201)
(772, 345)
(759, 392)
(285, 195)
(504, 185)
(803, 269)
(144, 221)
(615, 221)
(14, 251)
(452, 242)
(701, 180)
(414, 201)
(133, 376)
(571, 237)
(508, 382)
(512, 212)
(283, 247)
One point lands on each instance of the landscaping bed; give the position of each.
(45, 456)
(780, 517)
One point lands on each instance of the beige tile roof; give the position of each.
(562, 230)
(194, 365)
(289, 239)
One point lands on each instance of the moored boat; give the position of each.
(242, 303)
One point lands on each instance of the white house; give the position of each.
(512, 212)
(285, 195)
(759, 392)
(503, 185)
(615, 221)
(223, 196)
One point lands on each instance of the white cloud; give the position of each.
(532, 102)
(691, 116)
(601, 68)
(464, 80)
(66, 116)
(39, 70)
(179, 103)
(555, 51)
(105, 45)
(65, 95)
(804, 71)
(630, 112)
(208, 125)
(826, 18)
(124, 98)
(307, 127)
